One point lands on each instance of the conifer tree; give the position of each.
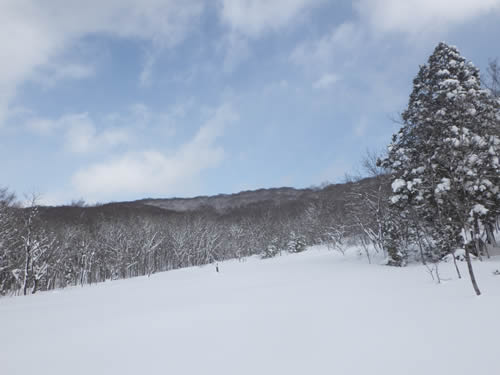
(445, 158)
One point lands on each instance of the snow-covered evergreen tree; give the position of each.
(271, 250)
(297, 243)
(445, 158)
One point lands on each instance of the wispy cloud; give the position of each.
(255, 17)
(81, 134)
(421, 16)
(51, 74)
(35, 33)
(325, 81)
(329, 48)
(153, 172)
(147, 70)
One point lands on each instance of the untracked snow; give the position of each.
(311, 313)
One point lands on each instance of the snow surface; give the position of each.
(310, 313)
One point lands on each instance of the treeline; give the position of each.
(43, 248)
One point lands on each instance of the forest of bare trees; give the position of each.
(44, 248)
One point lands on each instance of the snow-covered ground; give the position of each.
(310, 313)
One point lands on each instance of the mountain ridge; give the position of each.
(224, 202)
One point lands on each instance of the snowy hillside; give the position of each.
(310, 313)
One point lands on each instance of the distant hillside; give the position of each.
(273, 196)
(225, 202)
(335, 194)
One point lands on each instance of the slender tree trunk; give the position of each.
(35, 286)
(456, 266)
(471, 271)
(27, 270)
(367, 252)
(486, 250)
(419, 240)
(476, 238)
(489, 234)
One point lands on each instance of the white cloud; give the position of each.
(147, 70)
(34, 33)
(53, 73)
(82, 136)
(422, 16)
(327, 80)
(254, 17)
(153, 172)
(42, 125)
(329, 48)
(80, 133)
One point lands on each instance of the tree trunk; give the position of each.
(27, 267)
(471, 271)
(489, 234)
(420, 246)
(456, 265)
(476, 237)
(35, 286)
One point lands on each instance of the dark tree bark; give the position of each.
(471, 271)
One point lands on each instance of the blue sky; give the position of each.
(121, 100)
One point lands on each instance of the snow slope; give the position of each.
(310, 313)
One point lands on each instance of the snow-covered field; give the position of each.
(310, 313)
